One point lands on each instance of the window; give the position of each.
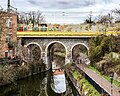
(9, 38)
(9, 22)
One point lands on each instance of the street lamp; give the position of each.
(111, 78)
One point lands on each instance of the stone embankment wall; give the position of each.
(74, 81)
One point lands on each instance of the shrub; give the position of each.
(101, 45)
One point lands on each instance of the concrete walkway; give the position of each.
(101, 81)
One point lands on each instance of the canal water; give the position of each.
(39, 85)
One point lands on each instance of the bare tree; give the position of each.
(104, 19)
(117, 14)
(32, 16)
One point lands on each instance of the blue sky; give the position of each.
(64, 11)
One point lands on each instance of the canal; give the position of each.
(39, 85)
(51, 83)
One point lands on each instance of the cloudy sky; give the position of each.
(65, 11)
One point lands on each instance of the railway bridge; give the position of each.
(45, 39)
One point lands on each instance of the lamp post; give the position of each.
(111, 78)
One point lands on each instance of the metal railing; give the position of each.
(7, 61)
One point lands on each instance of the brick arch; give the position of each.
(80, 44)
(81, 58)
(35, 43)
(48, 46)
(55, 42)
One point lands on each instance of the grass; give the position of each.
(117, 83)
(94, 69)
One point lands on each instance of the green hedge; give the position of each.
(85, 85)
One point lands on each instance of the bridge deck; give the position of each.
(63, 34)
(102, 82)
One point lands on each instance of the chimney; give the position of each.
(8, 9)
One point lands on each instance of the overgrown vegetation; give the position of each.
(101, 45)
(11, 73)
(104, 55)
(86, 87)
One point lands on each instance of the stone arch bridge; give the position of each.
(45, 42)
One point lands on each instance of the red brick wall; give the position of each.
(6, 30)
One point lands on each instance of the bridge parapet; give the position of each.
(64, 34)
(65, 30)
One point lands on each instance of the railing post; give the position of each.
(88, 27)
(80, 28)
(97, 29)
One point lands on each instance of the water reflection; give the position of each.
(58, 82)
(45, 84)
(31, 86)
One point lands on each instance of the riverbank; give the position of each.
(10, 73)
(82, 85)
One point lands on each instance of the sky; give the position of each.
(64, 11)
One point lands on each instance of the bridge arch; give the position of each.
(80, 44)
(79, 52)
(48, 49)
(37, 48)
(35, 44)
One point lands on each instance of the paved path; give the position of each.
(101, 81)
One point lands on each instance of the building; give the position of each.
(8, 37)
